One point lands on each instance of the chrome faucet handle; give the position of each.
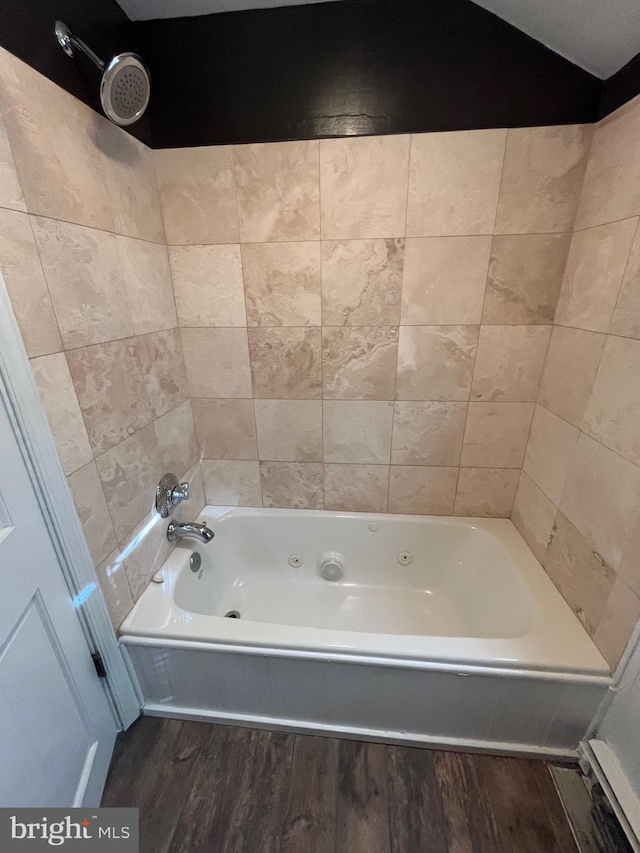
(169, 493)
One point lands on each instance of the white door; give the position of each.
(57, 728)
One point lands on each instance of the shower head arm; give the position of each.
(68, 42)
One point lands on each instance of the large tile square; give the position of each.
(454, 179)
(444, 280)
(111, 391)
(496, 434)
(208, 285)
(362, 282)
(217, 362)
(286, 363)
(278, 190)
(282, 283)
(357, 431)
(289, 430)
(436, 362)
(364, 186)
(428, 433)
(359, 362)
(198, 195)
(509, 362)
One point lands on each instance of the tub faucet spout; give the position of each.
(189, 530)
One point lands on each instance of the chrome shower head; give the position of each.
(125, 86)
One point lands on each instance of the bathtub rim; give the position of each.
(450, 667)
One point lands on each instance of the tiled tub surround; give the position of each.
(83, 254)
(365, 325)
(365, 321)
(578, 500)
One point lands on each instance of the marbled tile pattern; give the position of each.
(131, 183)
(110, 386)
(217, 362)
(592, 279)
(282, 283)
(292, 484)
(534, 515)
(63, 411)
(364, 187)
(391, 351)
(207, 281)
(359, 363)
(356, 488)
(578, 501)
(362, 282)
(422, 491)
(91, 506)
(601, 498)
(496, 434)
(357, 431)
(541, 179)
(289, 430)
(11, 196)
(176, 439)
(231, 482)
(163, 369)
(286, 362)
(84, 257)
(225, 429)
(26, 284)
(427, 433)
(613, 410)
(52, 137)
(444, 280)
(198, 195)
(509, 362)
(525, 277)
(145, 267)
(454, 180)
(552, 442)
(611, 188)
(380, 356)
(278, 193)
(486, 492)
(84, 273)
(580, 573)
(436, 362)
(626, 315)
(115, 587)
(130, 472)
(569, 372)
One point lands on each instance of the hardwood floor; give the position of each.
(203, 787)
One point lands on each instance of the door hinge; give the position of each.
(96, 657)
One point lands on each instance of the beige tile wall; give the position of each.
(83, 254)
(578, 501)
(359, 324)
(365, 321)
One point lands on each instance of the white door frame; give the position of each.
(19, 391)
(599, 758)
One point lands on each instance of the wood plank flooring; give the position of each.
(205, 788)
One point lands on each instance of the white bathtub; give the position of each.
(440, 631)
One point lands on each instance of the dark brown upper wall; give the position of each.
(26, 30)
(620, 88)
(350, 68)
(330, 69)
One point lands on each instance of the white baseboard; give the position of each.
(356, 733)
